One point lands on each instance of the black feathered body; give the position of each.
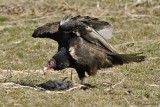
(86, 57)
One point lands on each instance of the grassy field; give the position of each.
(136, 29)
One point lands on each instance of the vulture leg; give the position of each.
(81, 75)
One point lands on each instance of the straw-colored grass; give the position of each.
(136, 29)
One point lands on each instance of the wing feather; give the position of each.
(91, 29)
(46, 30)
(65, 19)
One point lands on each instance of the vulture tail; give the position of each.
(127, 58)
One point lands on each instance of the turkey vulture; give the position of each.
(83, 51)
(86, 57)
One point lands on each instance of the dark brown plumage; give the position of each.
(89, 28)
(83, 55)
(86, 57)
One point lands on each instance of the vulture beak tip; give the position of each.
(45, 69)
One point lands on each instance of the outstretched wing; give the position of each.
(46, 31)
(103, 28)
(91, 29)
(51, 30)
(78, 22)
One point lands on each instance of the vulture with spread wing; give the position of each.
(83, 45)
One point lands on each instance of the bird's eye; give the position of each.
(51, 62)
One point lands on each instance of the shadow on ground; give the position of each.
(60, 84)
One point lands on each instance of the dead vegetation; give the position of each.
(136, 29)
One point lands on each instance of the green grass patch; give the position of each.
(136, 29)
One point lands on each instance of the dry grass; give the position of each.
(136, 29)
